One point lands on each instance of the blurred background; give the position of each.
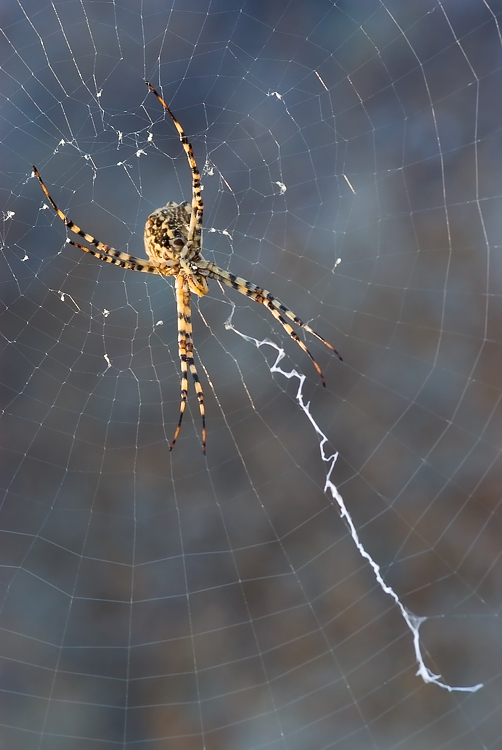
(351, 160)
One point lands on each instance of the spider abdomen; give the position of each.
(166, 231)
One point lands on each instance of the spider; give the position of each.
(173, 244)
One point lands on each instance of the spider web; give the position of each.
(329, 574)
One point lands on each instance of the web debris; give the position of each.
(412, 621)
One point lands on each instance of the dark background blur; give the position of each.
(164, 600)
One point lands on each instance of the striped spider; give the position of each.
(173, 244)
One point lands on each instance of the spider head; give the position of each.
(196, 281)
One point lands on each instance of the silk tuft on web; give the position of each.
(328, 574)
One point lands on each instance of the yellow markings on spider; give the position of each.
(173, 244)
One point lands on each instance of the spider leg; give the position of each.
(198, 389)
(185, 345)
(102, 252)
(195, 231)
(119, 259)
(276, 307)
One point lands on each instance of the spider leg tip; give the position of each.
(336, 352)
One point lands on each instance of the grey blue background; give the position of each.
(166, 600)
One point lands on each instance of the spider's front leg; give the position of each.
(185, 346)
(274, 305)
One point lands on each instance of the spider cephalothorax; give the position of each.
(173, 242)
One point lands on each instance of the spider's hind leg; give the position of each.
(195, 231)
